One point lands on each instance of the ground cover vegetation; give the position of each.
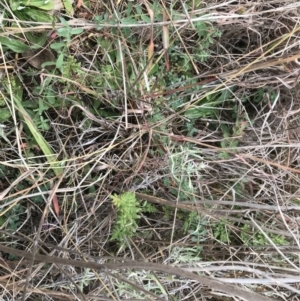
(149, 150)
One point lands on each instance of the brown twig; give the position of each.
(212, 283)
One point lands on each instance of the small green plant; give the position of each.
(258, 239)
(148, 208)
(22, 4)
(209, 105)
(187, 255)
(25, 10)
(195, 226)
(14, 85)
(221, 232)
(66, 33)
(4, 111)
(231, 140)
(263, 94)
(128, 213)
(186, 164)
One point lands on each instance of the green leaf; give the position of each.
(14, 45)
(128, 20)
(146, 19)
(57, 46)
(68, 7)
(37, 41)
(51, 97)
(60, 61)
(41, 4)
(63, 32)
(43, 144)
(14, 5)
(34, 14)
(199, 112)
(4, 114)
(76, 31)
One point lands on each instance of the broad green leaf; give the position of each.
(14, 45)
(4, 114)
(68, 7)
(57, 46)
(51, 97)
(129, 9)
(37, 41)
(41, 4)
(59, 61)
(128, 20)
(14, 4)
(146, 19)
(76, 30)
(37, 15)
(63, 32)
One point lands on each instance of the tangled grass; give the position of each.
(188, 112)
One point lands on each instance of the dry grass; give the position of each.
(238, 171)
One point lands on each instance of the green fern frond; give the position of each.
(127, 215)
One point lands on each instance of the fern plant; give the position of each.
(128, 211)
